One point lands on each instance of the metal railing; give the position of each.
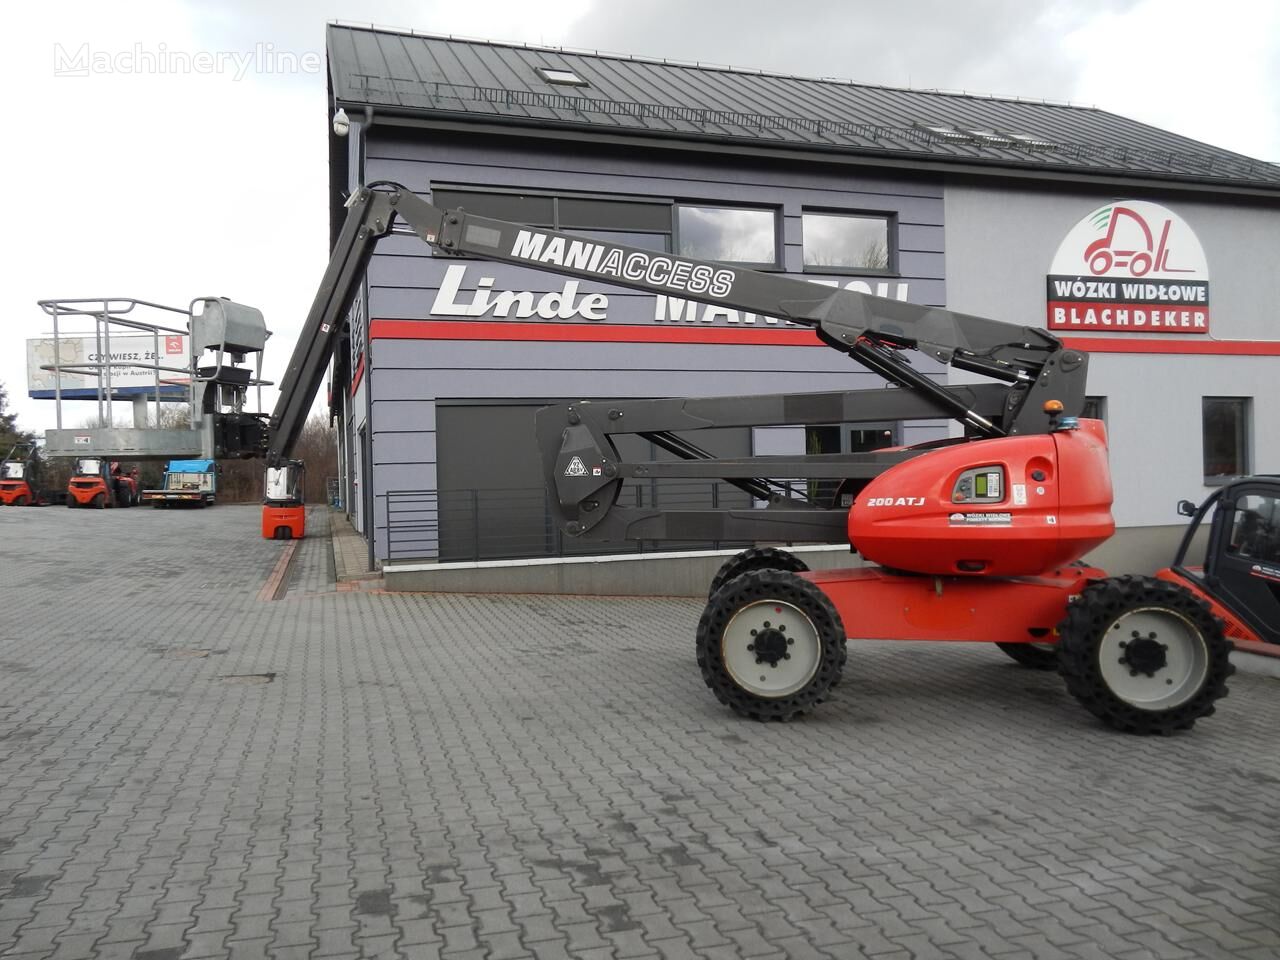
(516, 523)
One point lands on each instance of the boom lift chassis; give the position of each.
(976, 538)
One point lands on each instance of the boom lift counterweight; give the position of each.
(976, 538)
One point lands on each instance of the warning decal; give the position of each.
(575, 468)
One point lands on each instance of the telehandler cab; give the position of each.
(979, 537)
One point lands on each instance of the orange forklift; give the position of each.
(19, 474)
(284, 514)
(99, 483)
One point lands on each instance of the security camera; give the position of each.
(341, 123)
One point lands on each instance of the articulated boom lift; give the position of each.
(975, 538)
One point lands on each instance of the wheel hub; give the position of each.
(770, 643)
(771, 648)
(1144, 654)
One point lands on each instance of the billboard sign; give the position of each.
(135, 355)
(1129, 267)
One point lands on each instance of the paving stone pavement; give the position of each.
(187, 771)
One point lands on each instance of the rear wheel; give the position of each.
(755, 558)
(99, 501)
(1144, 655)
(1037, 656)
(21, 501)
(770, 645)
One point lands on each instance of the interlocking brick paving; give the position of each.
(358, 774)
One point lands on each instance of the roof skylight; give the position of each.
(566, 78)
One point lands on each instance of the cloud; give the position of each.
(987, 46)
(167, 185)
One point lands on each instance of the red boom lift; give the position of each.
(975, 538)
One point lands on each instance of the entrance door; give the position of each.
(1247, 569)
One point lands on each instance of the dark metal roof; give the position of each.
(449, 78)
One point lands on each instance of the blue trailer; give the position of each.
(187, 483)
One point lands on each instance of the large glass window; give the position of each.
(633, 223)
(537, 211)
(840, 242)
(732, 234)
(1226, 434)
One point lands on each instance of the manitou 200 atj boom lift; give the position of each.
(974, 538)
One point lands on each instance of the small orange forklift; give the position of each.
(284, 515)
(19, 472)
(99, 483)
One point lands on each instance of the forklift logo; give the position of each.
(1129, 267)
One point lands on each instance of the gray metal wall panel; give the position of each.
(415, 303)
(404, 280)
(461, 384)
(432, 355)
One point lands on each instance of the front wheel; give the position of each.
(770, 645)
(1144, 655)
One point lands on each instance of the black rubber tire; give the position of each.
(20, 501)
(1097, 610)
(1032, 655)
(99, 501)
(755, 558)
(754, 587)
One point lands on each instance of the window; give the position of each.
(839, 242)
(1225, 424)
(846, 438)
(732, 234)
(561, 76)
(633, 223)
(1095, 408)
(1255, 529)
(941, 130)
(519, 208)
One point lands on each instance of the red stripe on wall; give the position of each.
(355, 380)
(584, 333)
(516, 331)
(1233, 348)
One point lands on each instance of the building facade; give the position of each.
(1148, 251)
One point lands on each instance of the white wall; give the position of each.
(999, 244)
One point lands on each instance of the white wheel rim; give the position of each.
(1171, 684)
(764, 679)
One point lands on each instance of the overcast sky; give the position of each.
(167, 186)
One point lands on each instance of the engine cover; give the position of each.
(1009, 507)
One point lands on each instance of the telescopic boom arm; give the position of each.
(872, 330)
(1030, 365)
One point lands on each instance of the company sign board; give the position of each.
(1129, 267)
(131, 357)
(471, 293)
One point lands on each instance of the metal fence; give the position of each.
(514, 523)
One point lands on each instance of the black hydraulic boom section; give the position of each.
(1030, 366)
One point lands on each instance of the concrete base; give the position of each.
(630, 575)
(1135, 550)
(1266, 666)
